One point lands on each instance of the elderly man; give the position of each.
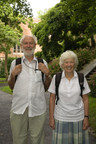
(28, 109)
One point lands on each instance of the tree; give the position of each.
(50, 30)
(12, 13)
(83, 18)
(68, 25)
(8, 38)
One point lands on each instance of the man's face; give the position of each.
(28, 46)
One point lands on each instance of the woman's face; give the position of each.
(69, 65)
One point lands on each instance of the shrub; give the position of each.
(38, 54)
(2, 69)
(84, 57)
(54, 66)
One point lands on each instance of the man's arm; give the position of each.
(46, 71)
(47, 82)
(16, 71)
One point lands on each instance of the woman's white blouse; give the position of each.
(70, 106)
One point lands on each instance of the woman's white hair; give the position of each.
(32, 36)
(67, 55)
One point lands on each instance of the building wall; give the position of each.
(26, 31)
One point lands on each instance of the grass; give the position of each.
(6, 89)
(3, 80)
(92, 113)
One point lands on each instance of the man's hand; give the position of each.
(44, 69)
(17, 70)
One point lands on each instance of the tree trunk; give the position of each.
(6, 70)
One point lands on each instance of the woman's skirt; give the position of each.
(69, 133)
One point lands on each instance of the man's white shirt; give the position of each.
(29, 89)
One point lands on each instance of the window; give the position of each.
(17, 49)
(14, 50)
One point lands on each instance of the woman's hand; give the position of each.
(85, 123)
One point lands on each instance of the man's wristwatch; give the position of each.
(86, 116)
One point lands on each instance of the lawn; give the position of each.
(2, 80)
(6, 89)
(92, 113)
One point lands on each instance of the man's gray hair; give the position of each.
(67, 55)
(32, 36)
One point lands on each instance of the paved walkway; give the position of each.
(5, 130)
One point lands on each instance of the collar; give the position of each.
(63, 74)
(24, 58)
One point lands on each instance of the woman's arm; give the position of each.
(86, 111)
(51, 111)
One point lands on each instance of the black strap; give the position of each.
(81, 81)
(18, 61)
(57, 82)
(41, 60)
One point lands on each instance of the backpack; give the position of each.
(18, 61)
(58, 79)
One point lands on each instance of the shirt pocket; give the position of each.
(38, 76)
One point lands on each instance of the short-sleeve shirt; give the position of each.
(70, 106)
(28, 89)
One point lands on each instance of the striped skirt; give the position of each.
(69, 133)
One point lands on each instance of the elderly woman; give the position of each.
(69, 117)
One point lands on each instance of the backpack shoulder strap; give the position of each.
(41, 60)
(57, 82)
(18, 61)
(81, 81)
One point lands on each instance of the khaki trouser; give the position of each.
(21, 125)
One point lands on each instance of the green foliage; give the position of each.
(12, 14)
(76, 17)
(9, 37)
(54, 66)
(92, 113)
(92, 84)
(84, 57)
(2, 79)
(39, 54)
(14, 11)
(2, 67)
